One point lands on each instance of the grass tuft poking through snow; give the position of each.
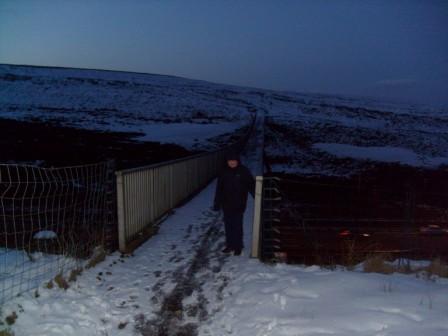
(61, 282)
(438, 267)
(74, 274)
(377, 264)
(99, 255)
(380, 263)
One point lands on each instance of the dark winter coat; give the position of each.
(233, 186)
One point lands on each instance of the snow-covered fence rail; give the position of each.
(50, 218)
(146, 194)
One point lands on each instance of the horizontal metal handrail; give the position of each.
(170, 162)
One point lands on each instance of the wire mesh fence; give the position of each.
(326, 222)
(51, 219)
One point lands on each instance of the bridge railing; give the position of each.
(146, 194)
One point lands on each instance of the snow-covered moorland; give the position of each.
(340, 136)
(305, 133)
(159, 108)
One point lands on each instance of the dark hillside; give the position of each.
(45, 144)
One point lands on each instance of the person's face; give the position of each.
(232, 163)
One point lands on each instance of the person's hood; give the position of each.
(233, 155)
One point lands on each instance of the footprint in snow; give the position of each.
(399, 312)
(297, 293)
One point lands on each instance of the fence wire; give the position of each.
(50, 220)
(324, 222)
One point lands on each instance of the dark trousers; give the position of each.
(233, 221)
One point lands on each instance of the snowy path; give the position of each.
(184, 303)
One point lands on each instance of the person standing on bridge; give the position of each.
(234, 183)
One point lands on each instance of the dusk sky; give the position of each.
(396, 49)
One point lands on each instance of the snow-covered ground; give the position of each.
(161, 108)
(191, 113)
(353, 129)
(21, 271)
(188, 135)
(289, 300)
(179, 281)
(383, 154)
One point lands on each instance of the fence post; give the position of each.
(256, 227)
(120, 212)
(111, 238)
